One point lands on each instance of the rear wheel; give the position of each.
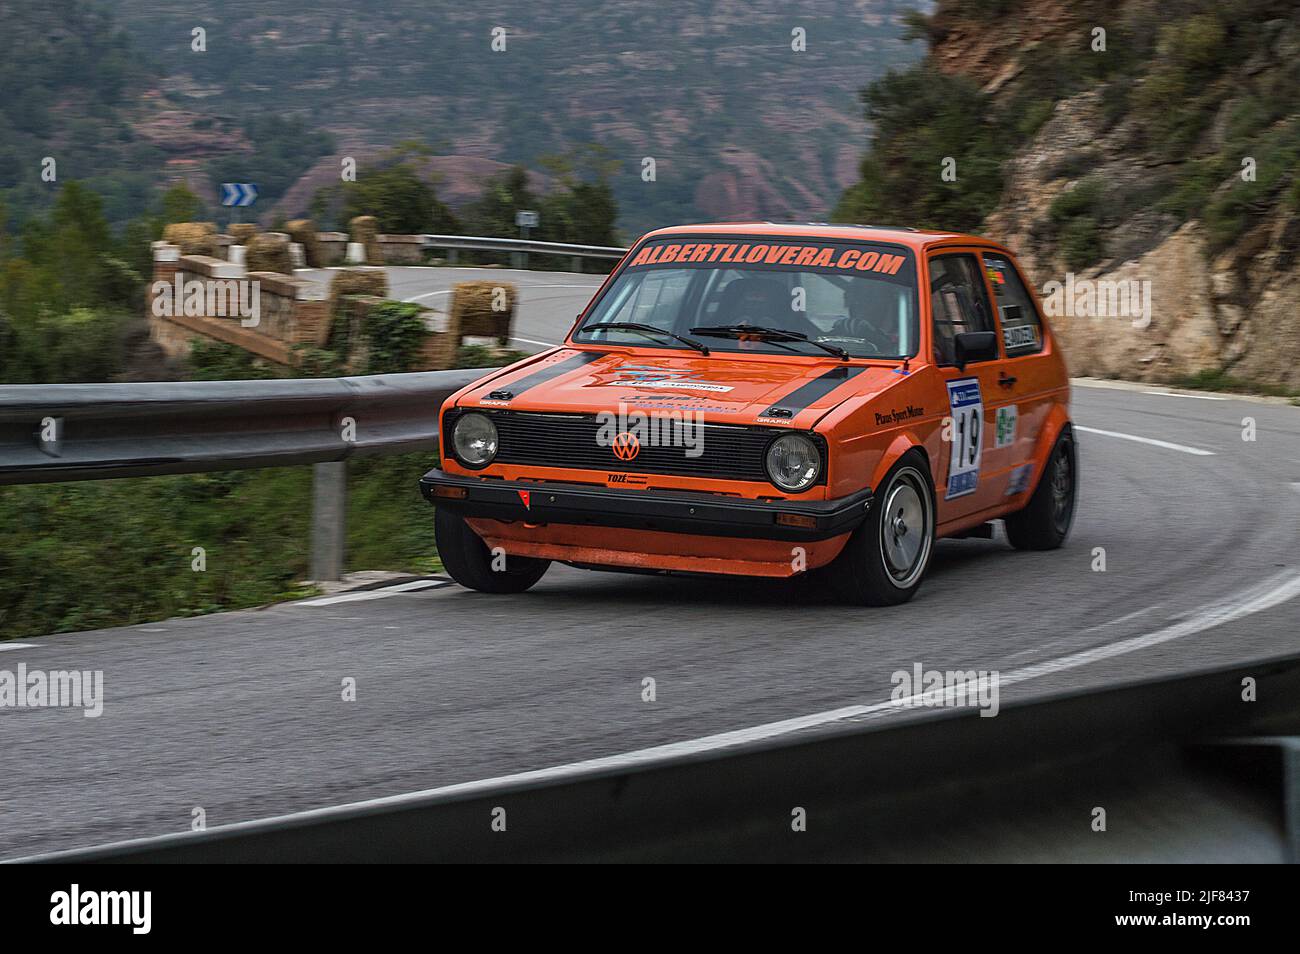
(885, 560)
(1045, 521)
(471, 564)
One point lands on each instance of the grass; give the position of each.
(1219, 379)
(119, 552)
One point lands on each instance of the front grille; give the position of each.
(729, 452)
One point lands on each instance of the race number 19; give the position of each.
(967, 437)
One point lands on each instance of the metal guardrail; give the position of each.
(520, 248)
(1178, 763)
(63, 432)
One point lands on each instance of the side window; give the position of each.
(958, 301)
(1021, 331)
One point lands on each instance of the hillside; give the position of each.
(1169, 157)
(739, 124)
(82, 90)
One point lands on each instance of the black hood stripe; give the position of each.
(816, 389)
(549, 373)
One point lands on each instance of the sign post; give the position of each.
(526, 219)
(238, 195)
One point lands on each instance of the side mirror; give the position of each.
(974, 346)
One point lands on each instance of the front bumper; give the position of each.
(677, 511)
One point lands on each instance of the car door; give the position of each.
(973, 476)
(1029, 375)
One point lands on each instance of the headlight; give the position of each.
(474, 439)
(793, 462)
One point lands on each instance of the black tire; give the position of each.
(1045, 521)
(874, 568)
(468, 560)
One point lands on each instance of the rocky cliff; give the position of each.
(1150, 147)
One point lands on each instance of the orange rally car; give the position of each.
(768, 400)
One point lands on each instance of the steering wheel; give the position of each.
(858, 328)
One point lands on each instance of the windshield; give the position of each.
(763, 295)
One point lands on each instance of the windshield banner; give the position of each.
(838, 258)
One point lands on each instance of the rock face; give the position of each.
(1235, 311)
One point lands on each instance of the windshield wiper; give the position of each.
(775, 334)
(638, 326)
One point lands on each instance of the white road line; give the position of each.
(545, 344)
(378, 594)
(1198, 451)
(1271, 592)
(10, 647)
(448, 291)
(1182, 394)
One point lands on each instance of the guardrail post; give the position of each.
(329, 510)
(453, 256)
(519, 259)
(576, 264)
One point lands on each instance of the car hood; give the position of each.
(726, 390)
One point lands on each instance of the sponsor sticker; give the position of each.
(967, 406)
(1004, 431)
(1019, 482)
(664, 378)
(1020, 336)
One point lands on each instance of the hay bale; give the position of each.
(473, 313)
(269, 253)
(193, 238)
(357, 281)
(365, 229)
(303, 231)
(242, 232)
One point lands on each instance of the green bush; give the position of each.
(394, 332)
(84, 344)
(1077, 216)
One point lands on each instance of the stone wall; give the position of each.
(265, 313)
(274, 316)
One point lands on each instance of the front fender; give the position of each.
(903, 442)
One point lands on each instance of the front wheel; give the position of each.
(471, 564)
(885, 560)
(1045, 521)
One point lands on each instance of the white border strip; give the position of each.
(383, 592)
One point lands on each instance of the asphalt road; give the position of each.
(241, 714)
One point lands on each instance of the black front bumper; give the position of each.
(678, 511)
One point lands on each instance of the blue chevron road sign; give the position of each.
(238, 193)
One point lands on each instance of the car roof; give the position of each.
(917, 239)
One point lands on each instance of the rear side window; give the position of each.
(1022, 333)
(958, 302)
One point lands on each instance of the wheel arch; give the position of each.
(1058, 422)
(903, 444)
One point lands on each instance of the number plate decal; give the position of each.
(967, 406)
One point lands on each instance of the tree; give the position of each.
(922, 119)
(394, 193)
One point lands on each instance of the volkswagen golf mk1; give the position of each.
(768, 400)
